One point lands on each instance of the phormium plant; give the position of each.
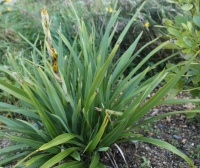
(77, 105)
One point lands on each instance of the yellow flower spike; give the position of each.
(6, 0)
(55, 66)
(45, 16)
(8, 9)
(0, 13)
(54, 53)
(147, 24)
(55, 59)
(44, 11)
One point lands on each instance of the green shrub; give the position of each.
(184, 32)
(184, 28)
(79, 109)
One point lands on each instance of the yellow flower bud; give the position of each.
(8, 9)
(147, 24)
(44, 11)
(109, 10)
(45, 18)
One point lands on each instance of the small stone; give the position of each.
(134, 141)
(184, 126)
(176, 137)
(193, 127)
(184, 140)
(160, 126)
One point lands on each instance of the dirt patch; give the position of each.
(177, 130)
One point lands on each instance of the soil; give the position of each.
(178, 130)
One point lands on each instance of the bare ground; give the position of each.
(177, 130)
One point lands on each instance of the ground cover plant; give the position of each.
(76, 102)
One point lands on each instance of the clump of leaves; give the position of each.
(80, 109)
(185, 27)
(184, 32)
